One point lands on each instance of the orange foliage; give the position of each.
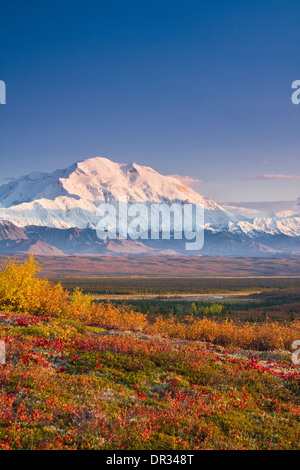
(23, 292)
(259, 336)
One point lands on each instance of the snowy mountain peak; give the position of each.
(68, 198)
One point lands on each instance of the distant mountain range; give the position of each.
(55, 214)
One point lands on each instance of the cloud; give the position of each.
(273, 177)
(192, 182)
(188, 180)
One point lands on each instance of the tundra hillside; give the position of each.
(86, 375)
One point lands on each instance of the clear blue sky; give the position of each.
(194, 88)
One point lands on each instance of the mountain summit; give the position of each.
(69, 198)
(56, 213)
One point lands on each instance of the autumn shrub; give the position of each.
(122, 317)
(259, 336)
(22, 291)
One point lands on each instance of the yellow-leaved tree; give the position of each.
(21, 290)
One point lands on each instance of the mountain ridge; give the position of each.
(67, 199)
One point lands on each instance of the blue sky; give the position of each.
(192, 88)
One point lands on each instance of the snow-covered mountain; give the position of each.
(69, 198)
(55, 213)
(267, 218)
